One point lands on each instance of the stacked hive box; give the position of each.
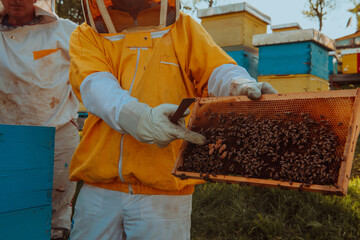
(294, 61)
(333, 64)
(351, 61)
(26, 177)
(232, 28)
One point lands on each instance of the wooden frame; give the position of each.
(347, 153)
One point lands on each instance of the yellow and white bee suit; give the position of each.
(35, 90)
(131, 66)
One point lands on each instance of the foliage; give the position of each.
(70, 9)
(191, 6)
(317, 9)
(356, 11)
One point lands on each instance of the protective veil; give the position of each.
(107, 16)
(35, 90)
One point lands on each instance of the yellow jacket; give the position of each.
(176, 63)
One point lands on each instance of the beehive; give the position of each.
(233, 24)
(339, 109)
(351, 63)
(294, 52)
(333, 65)
(26, 177)
(245, 57)
(296, 83)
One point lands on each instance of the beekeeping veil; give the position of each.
(114, 16)
(47, 5)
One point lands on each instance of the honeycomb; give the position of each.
(298, 141)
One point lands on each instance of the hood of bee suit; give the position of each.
(122, 16)
(45, 8)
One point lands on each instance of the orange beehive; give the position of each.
(338, 109)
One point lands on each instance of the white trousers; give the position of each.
(102, 214)
(66, 141)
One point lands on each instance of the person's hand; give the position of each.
(241, 86)
(154, 125)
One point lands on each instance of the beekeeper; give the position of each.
(35, 89)
(132, 62)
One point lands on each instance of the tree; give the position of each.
(70, 9)
(317, 9)
(193, 5)
(356, 11)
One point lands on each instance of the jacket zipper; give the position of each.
(122, 137)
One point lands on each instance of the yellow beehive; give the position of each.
(296, 83)
(350, 63)
(233, 24)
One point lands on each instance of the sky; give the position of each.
(290, 11)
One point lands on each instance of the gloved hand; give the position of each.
(243, 86)
(153, 125)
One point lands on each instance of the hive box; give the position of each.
(26, 177)
(246, 58)
(350, 61)
(333, 65)
(233, 24)
(294, 52)
(296, 83)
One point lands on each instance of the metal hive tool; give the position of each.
(335, 113)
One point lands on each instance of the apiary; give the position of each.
(299, 141)
(26, 177)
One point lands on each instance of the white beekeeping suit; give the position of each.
(35, 90)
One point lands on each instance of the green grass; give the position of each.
(222, 211)
(230, 211)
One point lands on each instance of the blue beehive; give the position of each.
(247, 60)
(333, 65)
(294, 52)
(26, 177)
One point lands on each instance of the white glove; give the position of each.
(153, 125)
(233, 80)
(242, 86)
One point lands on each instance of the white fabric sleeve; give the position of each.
(102, 96)
(220, 80)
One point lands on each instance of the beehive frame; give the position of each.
(340, 105)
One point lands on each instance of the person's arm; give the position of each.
(94, 84)
(212, 70)
(233, 80)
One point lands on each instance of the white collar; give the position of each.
(47, 17)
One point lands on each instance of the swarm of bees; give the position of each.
(293, 147)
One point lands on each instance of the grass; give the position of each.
(222, 211)
(230, 211)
